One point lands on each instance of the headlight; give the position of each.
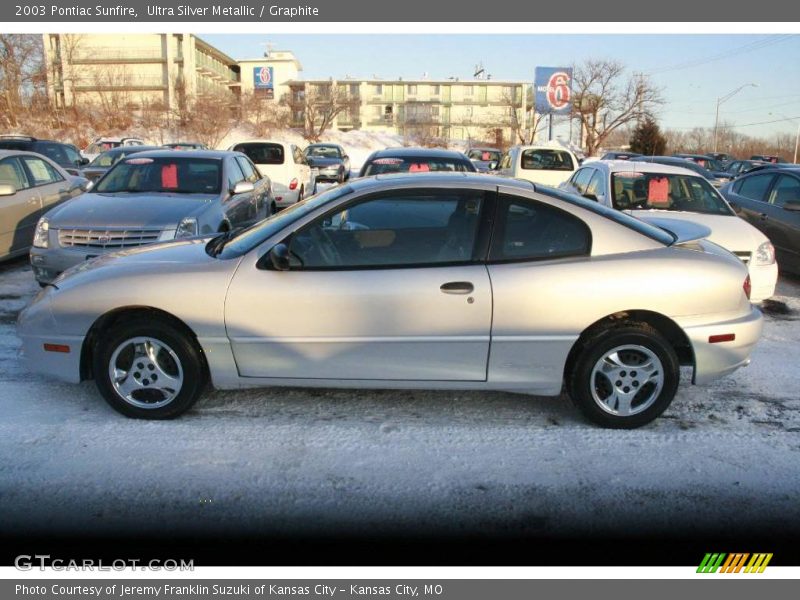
(40, 238)
(765, 255)
(186, 228)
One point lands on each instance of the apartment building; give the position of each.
(476, 109)
(135, 69)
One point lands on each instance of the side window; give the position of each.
(248, 169)
(546, 159)
(529, 230)
(755, 187)
(12, 173)
(41, 171)
(234, 174)
(596, 186)
(581, 179)
(787, 189)
(393, 230)
(505, 162)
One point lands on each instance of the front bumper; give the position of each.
(329, 174)
(715, 360)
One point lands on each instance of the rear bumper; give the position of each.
(763, 279)
(715, 360)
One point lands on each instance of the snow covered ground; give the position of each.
(724, 458)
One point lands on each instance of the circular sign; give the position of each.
(558, 90)
(264, 75)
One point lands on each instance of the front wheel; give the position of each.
(149, 369)
(625, 377)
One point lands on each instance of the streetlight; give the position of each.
(722, 99)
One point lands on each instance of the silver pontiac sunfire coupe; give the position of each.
(439, 281)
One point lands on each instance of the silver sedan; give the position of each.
(407, 281)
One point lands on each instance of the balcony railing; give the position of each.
(132, 82)
(100, 55)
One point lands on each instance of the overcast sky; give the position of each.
(692, 70)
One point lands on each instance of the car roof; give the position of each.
(7, 153)
(402, 151)
(262, 141)
(616, 166)
(218, 154)
(467, 179)
(128, 149)
(334, 144)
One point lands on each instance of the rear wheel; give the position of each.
(149, 369)
(625, 376)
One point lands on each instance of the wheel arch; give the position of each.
(118, 315)
(668, 328)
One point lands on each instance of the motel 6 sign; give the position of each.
(553, 87)
(262, 77)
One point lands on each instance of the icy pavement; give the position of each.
(724, 458)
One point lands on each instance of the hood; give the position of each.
(127, 210)
(323, 161)
(730, 232)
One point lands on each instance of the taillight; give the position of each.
(293, 184)
(747, 286)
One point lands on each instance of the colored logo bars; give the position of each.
(553, 87)
(734, 563)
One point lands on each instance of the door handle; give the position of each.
(763, 216)
(457, 287)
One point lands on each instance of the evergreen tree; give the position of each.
(647, 139)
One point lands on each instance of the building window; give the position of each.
(435, 110)
(354, 89)
(378, 110)
(469, 90)
(412, 89)
(435, 90)
(378, 89)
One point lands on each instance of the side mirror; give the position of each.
(279, 257)
(7, 189)
(243, 187)
(83, 162)
(493, 165)
(792, 206)
(87, 185)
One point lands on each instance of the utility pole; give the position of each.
(722, 99)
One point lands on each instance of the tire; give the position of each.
(163, 388)
(624, 377)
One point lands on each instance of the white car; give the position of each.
(285, 165)
(101, 144)
(653, 190)
(546, 165)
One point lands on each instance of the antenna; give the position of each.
(479, 71)
(269, 46)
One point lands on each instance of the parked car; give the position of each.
(737, 167)
(722, 158)
(707, 162)
(770, 158)
(433, 281)
(484, 159)
(30, 184)
(717, 180)
(186, 146)
(330, 160)
(292, 178)
(101, 144)
(619, 155)
(66, 156)
(546, 165)
(150, 197)
(647, 190)
(415, 160)
(770, 200)
(100, 165)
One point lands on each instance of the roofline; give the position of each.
(417, 81)
(214, 50)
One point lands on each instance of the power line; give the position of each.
(742, 125)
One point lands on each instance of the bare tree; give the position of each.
(209, 118)
(22, 73)
(523, 129)
(320, 105)
(265, 114)
(605, 99)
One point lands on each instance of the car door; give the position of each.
(258, 204)
(390, 287)
(239, 208)
(748, 197)
(783, 226)
(19, 211)
(53, 187)
(303, 171)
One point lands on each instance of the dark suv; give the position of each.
(66, 156)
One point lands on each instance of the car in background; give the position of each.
(717, 180)
(723, 158)
(768, 158)
(150, 197)
(484, 159)
(330, 160)
(30, 184)
(546, 165)
(705, 161)
(425, 281)
(66, 156)
(653, 191)
(737, 167)
(285, 165)
(103, 162)
(770, 201)
(416, 160)
(101, 144)
(186, 146)
(619, 155)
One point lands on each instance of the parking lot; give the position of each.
(724, 458)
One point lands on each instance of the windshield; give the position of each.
(106, 159)
(261, 154)
(249, 238)
(176, 175)
(658, 191)
(421, 164)
(323, 151)
(541, 159)
(484, 155)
